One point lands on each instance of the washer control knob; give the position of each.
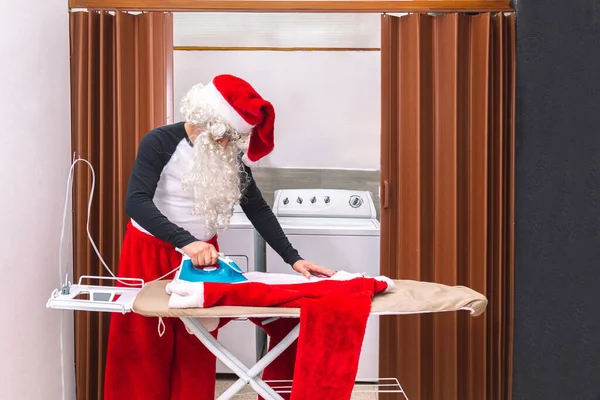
(327, 199)
(299, 200)
(313, 199)
(286, 201)
(355, 201)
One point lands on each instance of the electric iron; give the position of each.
(227, 271)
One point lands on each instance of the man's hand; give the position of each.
(307, 269)
(201, 253)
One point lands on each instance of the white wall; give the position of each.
(327, 102)
(322, 30)
(34, 162)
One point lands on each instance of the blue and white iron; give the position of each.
(226, 272)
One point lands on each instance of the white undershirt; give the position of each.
(170, 198)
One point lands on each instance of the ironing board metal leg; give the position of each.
(265, 361)
(227, 358)
(247, 376)
(248, 372)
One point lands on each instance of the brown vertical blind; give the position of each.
(447, 207)
(120, 77)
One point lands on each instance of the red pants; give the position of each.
(142, 365)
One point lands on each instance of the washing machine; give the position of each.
(239, 242)
(337, 229)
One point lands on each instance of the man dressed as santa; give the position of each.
(186, 179)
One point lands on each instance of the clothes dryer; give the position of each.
(337, 229)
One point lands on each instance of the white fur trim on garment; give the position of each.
(248, 162)
(390, 283)
(190, 295)
(288, 279)
(212, 96)
(185, 294)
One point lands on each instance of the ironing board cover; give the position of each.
(407, 297)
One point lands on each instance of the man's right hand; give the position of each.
(201, 253)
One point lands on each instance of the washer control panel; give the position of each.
(323, 203)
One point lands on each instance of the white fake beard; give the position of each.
(214, 178)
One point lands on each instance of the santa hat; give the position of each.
(236, 101)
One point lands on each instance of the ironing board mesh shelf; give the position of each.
(85, 296)
(375, 385)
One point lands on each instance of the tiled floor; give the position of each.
(248, 394)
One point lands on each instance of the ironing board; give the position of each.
(151, 300)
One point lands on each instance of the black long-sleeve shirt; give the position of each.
(156, 202)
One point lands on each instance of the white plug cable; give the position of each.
(89, 210)
(87, 225)
(65, 286)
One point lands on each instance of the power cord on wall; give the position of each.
(65, 285)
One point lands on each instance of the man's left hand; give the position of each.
(307, 269)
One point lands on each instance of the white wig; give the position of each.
(216, 176)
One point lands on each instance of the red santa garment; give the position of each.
(333, 318)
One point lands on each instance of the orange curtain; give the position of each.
(447, 209)
(121, 77)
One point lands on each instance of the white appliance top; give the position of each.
(329, 226)
(324, 203)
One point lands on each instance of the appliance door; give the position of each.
(351, 254)
(238, 244)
